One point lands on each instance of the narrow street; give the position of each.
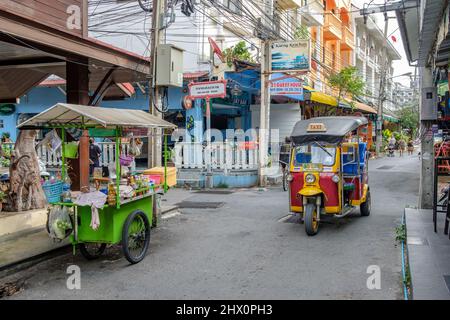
(248, 249)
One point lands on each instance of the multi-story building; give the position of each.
(403, 95)
(374, 54)
(332, 38)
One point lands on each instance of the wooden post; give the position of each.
(84, 161)
(77, 74)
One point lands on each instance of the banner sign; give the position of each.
(7, 109)
(208, 89)
(289, 87)
(290, 56)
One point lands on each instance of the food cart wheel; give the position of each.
(135, 236)
(366, 206)
(311, 223)
(92, 251)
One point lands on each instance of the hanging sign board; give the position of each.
(7, 109)
(294, 56)
(208, 89)
(281, 85)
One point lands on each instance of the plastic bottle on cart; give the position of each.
(111, 195)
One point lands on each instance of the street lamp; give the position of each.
(407, 74)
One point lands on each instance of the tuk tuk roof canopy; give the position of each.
(74, 115)
(334, 129)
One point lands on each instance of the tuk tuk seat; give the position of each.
(351, 168)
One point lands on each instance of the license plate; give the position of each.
(312, 167)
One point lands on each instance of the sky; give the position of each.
(401, 66)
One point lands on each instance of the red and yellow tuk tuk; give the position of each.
(328, 169)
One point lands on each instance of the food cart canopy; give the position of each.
(334, 129)
(74, 115)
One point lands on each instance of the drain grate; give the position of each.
(199, 205)
(385, 167)
(447, 281)
(215, 191)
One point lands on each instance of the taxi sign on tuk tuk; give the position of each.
(316, 127)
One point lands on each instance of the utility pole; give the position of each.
(157, 34)
(155, 139)
(264, 126)
(382, 93)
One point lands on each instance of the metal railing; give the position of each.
(221, 155)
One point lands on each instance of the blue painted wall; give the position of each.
(39, 99)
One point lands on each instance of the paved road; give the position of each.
(245, 250)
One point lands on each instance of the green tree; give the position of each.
(348, 82)
(301, 33)
(409, 118)
(238, 51)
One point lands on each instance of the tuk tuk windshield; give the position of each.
(315, 153)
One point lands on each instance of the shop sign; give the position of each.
(283, 85)
(207, 90)
(241, 100)
(7, 109)
(294, 56)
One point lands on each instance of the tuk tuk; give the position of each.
(328, 171)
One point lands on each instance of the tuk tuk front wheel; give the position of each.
(311, 223)
(136, 236)
(92, 251)
(366, 206)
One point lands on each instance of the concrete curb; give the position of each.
(14, 222)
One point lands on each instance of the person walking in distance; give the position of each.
(401, 146)
(410, 148)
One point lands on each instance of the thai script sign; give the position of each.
(207, 90)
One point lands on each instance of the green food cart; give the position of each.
(127, 222)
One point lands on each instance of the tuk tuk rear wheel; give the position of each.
(311, 223)
(366, 206)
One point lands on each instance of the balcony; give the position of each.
(289, 4)
(360, 54)
(330, 60)
(312, 14)
(348, 39)
(332, 29)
